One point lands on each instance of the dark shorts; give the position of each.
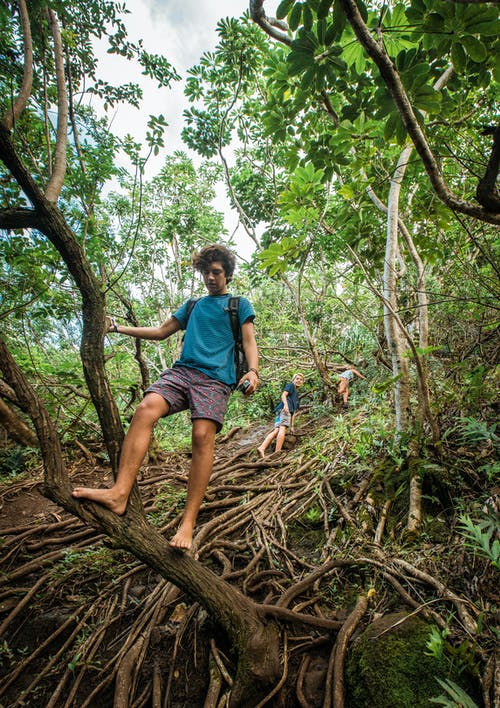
(185, 388)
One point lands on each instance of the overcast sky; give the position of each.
(181, 30)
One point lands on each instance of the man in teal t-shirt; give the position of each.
(201, 381)
(209, 340)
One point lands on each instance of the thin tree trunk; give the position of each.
(318, 362)
(56, 180)
(424, 410)
(395, 339)
(12, 114)
(131, 316)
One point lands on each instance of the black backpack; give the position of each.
(240, 361)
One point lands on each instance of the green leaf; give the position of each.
(496, 68)
(307, 17)
(346, 191)
(330, 34)
(323, 8)
(487, 29)
(363, 10)
(321, 31)
(434, 22)
(307, 42)
(360, 63)
(306, 81)
(395, 45)
(475, 48)
(339, 19)
(295, 15)
(391, 125)
(458, 57)
(354, 54)
(284, 8)
(427, 99)
(458, 695)
(299, 62)
(474, 14)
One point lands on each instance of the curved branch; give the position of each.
(271, 26)
(19, 218)
(56, 180)
(487, 192)
(244, 220)
(402, 102)
(16, 428)
(11, 115)
(52, 223)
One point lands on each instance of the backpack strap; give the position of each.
(233, 307)
(191, 303)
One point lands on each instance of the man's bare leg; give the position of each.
(202, 460)
(267, 441)
(343, 390)
(134, 449)
(280, 439)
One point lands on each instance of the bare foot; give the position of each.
(261, 452)
(106, 497)
(183, 538)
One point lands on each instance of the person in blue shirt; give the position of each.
(286, 410)
(201, 380)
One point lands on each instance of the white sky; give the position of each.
(181, 30)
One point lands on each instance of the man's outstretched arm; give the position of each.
(166, 329)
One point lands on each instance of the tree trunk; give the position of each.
(47, 218)
(131, 316)
(255, 642)
(395, 339)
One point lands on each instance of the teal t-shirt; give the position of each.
(209, 342)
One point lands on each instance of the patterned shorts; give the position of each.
(185, 388)
(283, 418)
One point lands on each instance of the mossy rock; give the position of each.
(388, 666)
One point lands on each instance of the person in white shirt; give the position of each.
(343, 386)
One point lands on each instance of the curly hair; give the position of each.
(202, 259)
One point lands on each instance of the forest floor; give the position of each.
(83, 622)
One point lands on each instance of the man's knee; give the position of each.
(203, 433)
(151, 408)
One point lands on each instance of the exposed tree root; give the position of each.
(284, 531)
